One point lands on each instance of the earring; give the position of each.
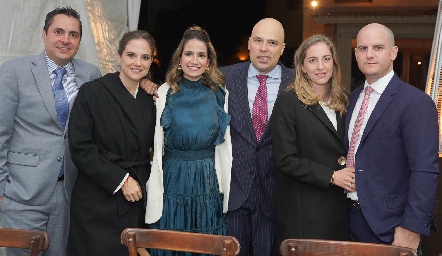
(179, 66)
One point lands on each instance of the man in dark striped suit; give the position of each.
(251, 216)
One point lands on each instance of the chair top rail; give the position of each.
(182, 241)
(26, 239)
(313, 247)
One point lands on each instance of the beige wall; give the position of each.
(311, 27)
(345, 29)
(379, 3)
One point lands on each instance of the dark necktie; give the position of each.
(260, 110)
(61, 104)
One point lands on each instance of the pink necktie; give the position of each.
(357, 128)
(259, 111)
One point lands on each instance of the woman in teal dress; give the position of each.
(189, 184)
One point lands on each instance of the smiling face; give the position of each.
(318, 64)
(135, 61)
(194, 59)
(62, 39)
(375, 51)
(266, 45)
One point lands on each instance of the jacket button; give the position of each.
(59, 159)
(342, 160)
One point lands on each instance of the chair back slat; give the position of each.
(179, 241)
(35, 241)
(314, 247)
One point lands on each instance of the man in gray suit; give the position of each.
(36, 172)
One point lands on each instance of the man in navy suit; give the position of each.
(396, 154)
(34, 193)
(251, 217)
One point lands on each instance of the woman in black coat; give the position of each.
(111, 130)
(307, 133)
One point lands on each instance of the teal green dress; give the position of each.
(194, 122)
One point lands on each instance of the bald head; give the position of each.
(375, 51)
(378, 28)
(269, 24)
(266, 44)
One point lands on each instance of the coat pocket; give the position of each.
(396, 200)
(24, 159)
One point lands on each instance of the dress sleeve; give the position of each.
(165, 118)
(223, 117)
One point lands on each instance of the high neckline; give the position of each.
(191, 84)
(190, 81)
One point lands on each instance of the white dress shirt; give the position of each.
(273, 82)
(331, 114)
(378, 88)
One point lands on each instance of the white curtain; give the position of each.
(107, 22)
(133, 13)
(104, 22)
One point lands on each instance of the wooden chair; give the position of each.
(314, 247)
(35, 241)
(135, 238)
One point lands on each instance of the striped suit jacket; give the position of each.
(251, 160)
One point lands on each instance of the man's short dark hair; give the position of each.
(68, 11)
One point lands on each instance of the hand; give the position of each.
(406, 238)
(149, 87)
(131, 190)
(345, 178)
(142, 252)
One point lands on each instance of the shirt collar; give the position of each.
(274, 73)
(52, 66)
(380, 85)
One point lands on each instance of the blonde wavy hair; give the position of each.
(302, 84)
(212, 77)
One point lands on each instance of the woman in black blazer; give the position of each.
(307, 133)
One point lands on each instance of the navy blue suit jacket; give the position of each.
(397, 160)
(250, 158)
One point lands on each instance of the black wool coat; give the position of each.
(110, 133)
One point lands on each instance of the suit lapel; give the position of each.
(41, 75)
(286, 77)
(341, 130)
(81, 74)
(243, 103)
(322, 116)
(351, 107)
(381, 105)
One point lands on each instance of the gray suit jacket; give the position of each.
(32, 141)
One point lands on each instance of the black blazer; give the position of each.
(250, 159)
(307, 148)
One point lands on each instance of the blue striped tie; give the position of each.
(61, 103)
(61, 100)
